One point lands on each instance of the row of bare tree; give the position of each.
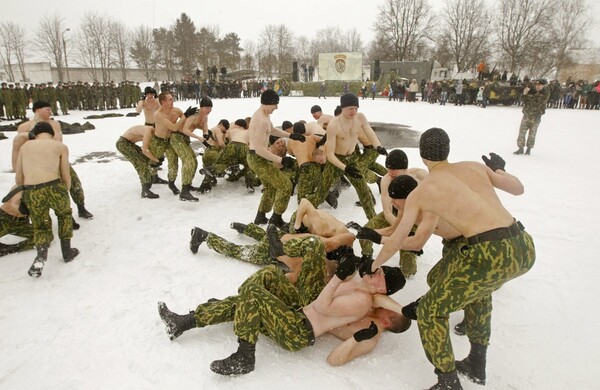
(530, 35)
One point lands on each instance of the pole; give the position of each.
(65, 52)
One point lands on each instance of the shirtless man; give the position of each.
(180, 142)
(42, 113)
(291, 315)
(15, 220)
(43, 171)
(493, 249)
(309, 169)
(396, 164)
(168, 119)
(149, 105)
(277, 187)
(141, 158)
(322, 119)
(342, 137)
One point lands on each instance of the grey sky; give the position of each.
(246, 18)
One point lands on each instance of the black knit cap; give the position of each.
(151, 90)
(349, 100)
(401, 186)
(396, 159)
(39, 104)
(205, 102)
(42, 127)
(315, 108)
(434, 145)
(394, 280)
(286, 125)
(269, 98)
(299, 128)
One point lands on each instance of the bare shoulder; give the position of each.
(25, 127)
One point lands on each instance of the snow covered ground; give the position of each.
(93, 323)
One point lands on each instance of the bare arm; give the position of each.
(18, 141)
(65, 167)
(189, 126)
(146, 145)
(505, 182)
(19, 177)
(351, 349)
(332, 131)
(139, 107)
(368, 130)
(425, 229)
(380, 300)
(162, 120)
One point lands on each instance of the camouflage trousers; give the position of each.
(309, 178)
(408, 259)
(465, 278)
(531, 124)
(161, 147)
(271, 301)
(76, 190)
(39, 201)
(140, 162)
(274, 309)
(236, 153)
(16, 226)
(189, 164)
(331, 174)
(369, 166)
(210, 156)
(8, 108)
(64, 106)
(277, 187)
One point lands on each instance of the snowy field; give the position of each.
(93, 323)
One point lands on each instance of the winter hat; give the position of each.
(434, 144)
(394, 280)
(205, 102)
(39, 104)
(401, 186)
(396, 159)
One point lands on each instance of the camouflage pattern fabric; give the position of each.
(277, 187)
(189, 164)
(528, 124)
(309, 178)
(20, 227)
(369, 167)
(210, 156)
(253, 253)
(76, 190)
(39, 202)
(140, 162)
(161, 147)
(465, 278)
(331, 174)
(408, 259)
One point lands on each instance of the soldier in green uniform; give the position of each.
(51, 97)
(63, 98)
(484, 247)
(15, 220)
(534, 106)
(20, 102)
(7, 100)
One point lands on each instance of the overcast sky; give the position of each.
(246, 18)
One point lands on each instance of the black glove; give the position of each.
(190, 111)
(418, 253)
(288, 162)
(410, 310)
(353, 225)
(365, 233)
(495, 162)
(381, 150)
(23, 208)
(297, 137)
(364, 268)
(275, 244)
(353, 171)
(321, 141)
(347, 265)
(367, 333)
(158, 163)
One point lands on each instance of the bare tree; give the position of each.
(13, 43)
(520, 25)
(163, 40)
(465, 32)
(121, 41)
(85, 53)
(352, 41)
(7, 46)
(49, 41)
(142, 49)
(302, 51)
(95, 45)
(248, 58)
(402, 26)
(285, 47)
(267, 57)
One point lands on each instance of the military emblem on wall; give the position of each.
(340, 62)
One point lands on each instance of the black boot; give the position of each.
(209, 175)
(173, 188)
(40, 260)
(205, 186)
(185, 194)
(473, 366)
(8, 249)
(68, 253)
(332, 199)
(260, 219)
(278, 221)
(528, 151)
(518, 151)
(83, 213)
(240, 362)
(275, 244)
(176, 323)
(158, 180)
(447, 381)
(238, 227)
(146, 193)
(459, 328)
(234, 172)
(198, 237)
(76, 226)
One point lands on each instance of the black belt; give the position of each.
(149, 124)
(309, 328)
(252, 151)
(308, 163)
(125, 139)
(238, 142)
(42, 185)
(161, 138)
(497, 234)
(451, 241)
(368, 147)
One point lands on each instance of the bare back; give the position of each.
(41, 161)
(238, 134)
